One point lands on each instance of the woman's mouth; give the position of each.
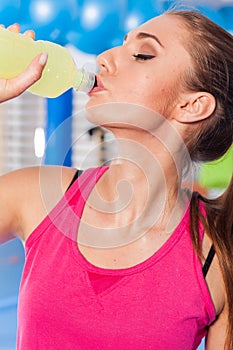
(98, 86)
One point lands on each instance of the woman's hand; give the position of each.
(10, 88)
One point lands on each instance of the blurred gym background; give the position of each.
(86, 28)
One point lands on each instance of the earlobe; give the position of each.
(195, 107)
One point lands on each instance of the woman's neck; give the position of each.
(142, 185)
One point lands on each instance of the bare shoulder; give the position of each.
(34, 173)
(29, 194)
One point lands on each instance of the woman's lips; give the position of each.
(98, 86)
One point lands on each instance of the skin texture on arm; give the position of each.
(217, 332)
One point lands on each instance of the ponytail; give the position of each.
(224, 228)
(218, 224)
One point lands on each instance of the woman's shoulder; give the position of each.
(38, 189)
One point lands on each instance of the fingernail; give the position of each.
(43, 58)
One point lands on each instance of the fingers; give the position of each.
(31, 74)
(14, 87)
(30, 33)
(14, 28)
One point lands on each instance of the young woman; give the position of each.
(123, 258)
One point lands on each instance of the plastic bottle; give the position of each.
(60, 73)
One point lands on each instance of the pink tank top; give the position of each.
(67, 303)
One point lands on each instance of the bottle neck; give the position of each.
(83, 80)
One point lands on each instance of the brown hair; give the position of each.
(211, 51)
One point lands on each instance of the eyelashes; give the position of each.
(143, 57)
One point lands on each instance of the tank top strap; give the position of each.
(83, 183)
(67, 214)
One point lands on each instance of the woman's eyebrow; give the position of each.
(143, 35)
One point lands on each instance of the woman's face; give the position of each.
(147, 69)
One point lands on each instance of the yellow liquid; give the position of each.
(60, 73)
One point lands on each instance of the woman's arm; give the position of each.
(9, 191)
(217, 332)
(10, 88)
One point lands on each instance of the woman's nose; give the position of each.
(107, 62)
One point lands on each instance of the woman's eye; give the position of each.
(143, 57)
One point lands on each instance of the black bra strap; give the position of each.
(76, 175)
(208, 261)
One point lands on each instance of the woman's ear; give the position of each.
(194, 107)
